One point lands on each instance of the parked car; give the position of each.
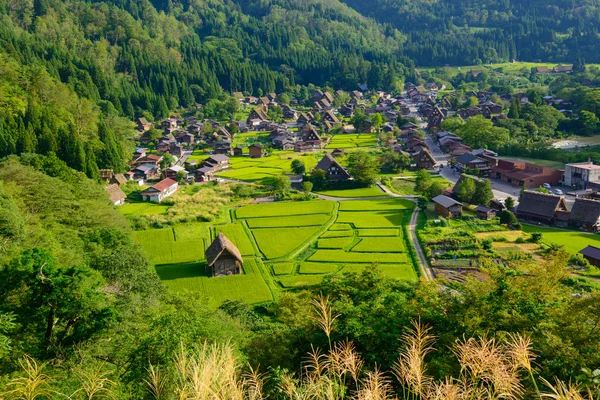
(547, 186)
(558, 191)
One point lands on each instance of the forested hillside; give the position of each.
(74, 71)
(463, 32)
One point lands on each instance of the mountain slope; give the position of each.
(132, 58)
(468, 31)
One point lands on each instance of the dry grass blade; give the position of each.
(324, 316)
(411, 369)
(374, 387)
(562, 391)
(94, 382)
(349, 360)
(253, 384)
(520, 349)
(35, 383)
(448, 390)
(156, 382)
(485, 364)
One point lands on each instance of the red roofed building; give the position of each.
(160, 191)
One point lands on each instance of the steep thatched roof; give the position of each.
(220, 245)
(541, 204)
(585, 211)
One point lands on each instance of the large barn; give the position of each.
(223, 258)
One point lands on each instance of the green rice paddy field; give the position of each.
(264, 170)
(352, 140)
(285, 245)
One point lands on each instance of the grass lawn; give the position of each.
(145, 208)
(572, 241)
(193, 277)
(351, 140)
(406, 186)
(351, 193)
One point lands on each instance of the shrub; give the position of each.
(517, 226)
(536, 237)
(508, 218)
(520, 240)
(486, 244)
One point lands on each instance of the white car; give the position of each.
(547, 186)
(558, 191)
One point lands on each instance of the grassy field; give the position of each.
(390, 204)
(285, 209)
(381, 245)
(354, 193)
(277, 243)
(335, 243)
(572, 241)
(348, 141)
(144, 208)
(264, 170)
(303, 242)
(406, 186)
(238, 235)
(291, 221)
(163, 248)
(193, 277)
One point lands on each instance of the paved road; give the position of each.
(186, 154)
(500, 189)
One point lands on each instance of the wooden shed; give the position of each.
(223, 258)
(447, 207)
(486, 213)
(592, 254)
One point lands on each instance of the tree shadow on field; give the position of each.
(168, 272)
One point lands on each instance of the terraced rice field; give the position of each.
(301, 242)
(192, 277)
(351, 140)
(353, 193)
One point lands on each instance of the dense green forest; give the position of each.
(463, 32)
(74, 71)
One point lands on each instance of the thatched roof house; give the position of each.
(586, 214)
(223, 258)
(541, 207)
